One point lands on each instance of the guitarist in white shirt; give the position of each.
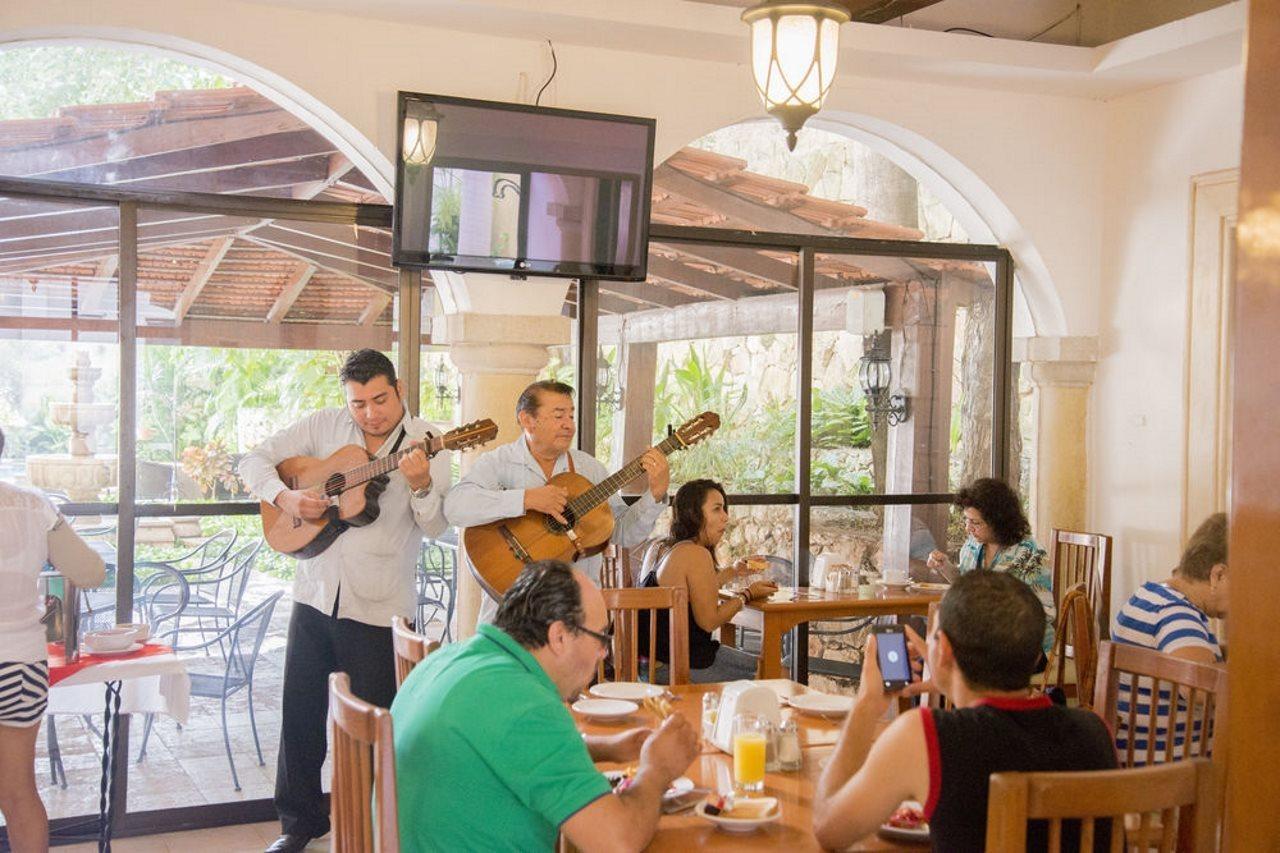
(512, 479)
(344, 598)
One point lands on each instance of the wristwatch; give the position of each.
(421, 493)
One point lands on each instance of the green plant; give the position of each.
(840, 418)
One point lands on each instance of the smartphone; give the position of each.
(895, 662)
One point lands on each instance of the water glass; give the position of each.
(710, 712)
(749, 743)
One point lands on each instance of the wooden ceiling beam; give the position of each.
(863, 11)
(229, 334)
(387, 281)
(647, 294)
(712, 284)
(208, 265)
(292, 290)
(741, 212)
(377, 305)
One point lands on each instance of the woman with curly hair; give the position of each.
(999, 540)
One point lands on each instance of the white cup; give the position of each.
(818, 578)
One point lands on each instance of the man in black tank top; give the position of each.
(982, 654)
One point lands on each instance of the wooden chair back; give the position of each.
(627, 607)
(1175, 805)
(934, 699)
(615, 568)
(1197, 702)
(1075, 639)
(364, 773)
(410, 647)
(1084, 558)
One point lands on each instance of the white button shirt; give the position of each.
(375, 566)
(494, 489)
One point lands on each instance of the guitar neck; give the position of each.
(602, 491)
(386, 464)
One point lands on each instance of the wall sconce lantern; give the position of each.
(421, 128)
(793, 57)
(875, 376)
(444, 390)
(608, 391)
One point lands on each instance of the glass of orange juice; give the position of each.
(749, 752)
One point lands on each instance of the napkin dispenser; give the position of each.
(743, 697)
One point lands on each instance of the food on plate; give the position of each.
(659, 706)
(751, 809)
(718, 803)
(907, 817)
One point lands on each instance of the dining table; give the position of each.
(713, 769)
(773, 617)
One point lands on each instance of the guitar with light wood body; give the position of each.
(337, 477)
(499, 550)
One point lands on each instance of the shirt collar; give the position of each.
(508, 644)
(385, 449)
(1030, 703)
(527, 455)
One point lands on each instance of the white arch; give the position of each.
(362, 153)
(984, 217)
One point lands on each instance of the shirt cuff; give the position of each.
(270, 493)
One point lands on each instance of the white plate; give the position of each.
(605, 709)
(633, 691)
(922, 586)
(823, 704)
(895, 584)
(738, 824)
(106, 654)
(902, 833)
(680, 785)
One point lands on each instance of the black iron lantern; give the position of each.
(608, 392)
(875, 375)
(444, 389)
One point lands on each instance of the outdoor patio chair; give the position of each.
(216, 593)
(243, 639)
(363, 806)
(437, 580)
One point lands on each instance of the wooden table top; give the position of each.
(815, 731)
(792, 831)
(808, 599)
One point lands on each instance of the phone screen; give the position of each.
(895, 664)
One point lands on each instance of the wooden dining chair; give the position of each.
(626, 607)
(1172, 806)
(364, 773)
(1200, 708)
(1073, 658)
(934, 699)
(1084, 558)
(410, 647)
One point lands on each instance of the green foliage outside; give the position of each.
(36, 81)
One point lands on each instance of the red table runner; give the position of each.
(60, 669)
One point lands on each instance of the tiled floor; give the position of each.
(247, 838)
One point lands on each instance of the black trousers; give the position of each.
(318, 645)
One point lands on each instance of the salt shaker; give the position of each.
(771, 748)
(789, 756)
(710, 711)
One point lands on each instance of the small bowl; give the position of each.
(109, 640)
(141, 631)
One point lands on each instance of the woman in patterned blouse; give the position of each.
(999, 540)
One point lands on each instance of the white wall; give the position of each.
(1156, 141)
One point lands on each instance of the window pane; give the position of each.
(713, 329)
(902, 374)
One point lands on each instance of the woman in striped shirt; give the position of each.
(1172, 617)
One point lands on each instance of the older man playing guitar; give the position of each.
(344, 597)
(512, 479)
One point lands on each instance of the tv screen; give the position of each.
(491, 187)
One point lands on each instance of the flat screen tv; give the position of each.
(484, 186)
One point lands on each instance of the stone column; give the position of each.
(1062, 370)
(498, 355)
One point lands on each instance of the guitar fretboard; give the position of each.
(600, 492)
(338, 483)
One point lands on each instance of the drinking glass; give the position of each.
(749, 742)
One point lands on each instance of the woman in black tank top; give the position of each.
(686, 558)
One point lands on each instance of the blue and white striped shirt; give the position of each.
(1160, 618)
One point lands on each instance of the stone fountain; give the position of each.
(80, 474)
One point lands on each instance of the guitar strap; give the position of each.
(570, 533)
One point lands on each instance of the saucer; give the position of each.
(115, 652)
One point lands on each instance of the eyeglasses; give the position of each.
(604, 638)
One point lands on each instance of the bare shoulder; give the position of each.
(685, 559)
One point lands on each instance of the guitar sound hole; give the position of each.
(556, 527)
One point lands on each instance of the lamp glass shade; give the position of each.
(793, 57)
(419, 140)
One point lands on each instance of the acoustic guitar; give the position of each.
(339, 477)
(500, 549)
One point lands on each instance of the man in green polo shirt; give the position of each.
(487, 754)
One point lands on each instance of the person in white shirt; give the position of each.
(512, 479)
(32, 533)
(344, 598)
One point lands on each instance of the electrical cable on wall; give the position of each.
(555, 66)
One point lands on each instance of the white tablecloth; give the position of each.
(156, 683)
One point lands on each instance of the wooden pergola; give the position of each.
(224, 280)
